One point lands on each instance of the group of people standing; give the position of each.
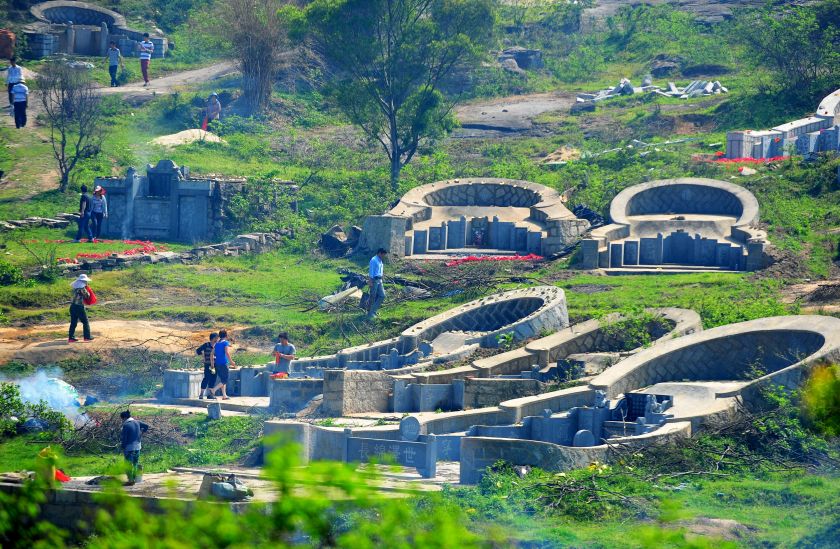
(93, 211)
(217, 362)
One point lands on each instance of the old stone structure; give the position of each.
(166, 204)
(477, 215)
(806, 136)
(80, 28)
(667, 390)
(686, 222)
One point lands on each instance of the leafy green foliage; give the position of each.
(395, 57)
(821, 396)
(328, 503)
(798, 44)
(9, 274)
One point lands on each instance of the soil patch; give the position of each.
(589, 288)
(187, 136)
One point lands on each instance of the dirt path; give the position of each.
(508, 114)
(48, 343)
(136, 92)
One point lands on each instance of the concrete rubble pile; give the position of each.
(696, 88)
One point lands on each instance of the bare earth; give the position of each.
(48, 343)
(509, 114)
(136, 92)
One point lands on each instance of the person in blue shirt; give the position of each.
(376, 270)
(223, 362)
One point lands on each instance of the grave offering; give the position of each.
(684, 223)
(477, 215)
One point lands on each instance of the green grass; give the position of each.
(780, 509)
(206, 443)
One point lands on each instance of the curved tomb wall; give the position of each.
(79, 15)
(685, 199)
(475, 213)
(686, 221)
(483, 194)
(747, 351)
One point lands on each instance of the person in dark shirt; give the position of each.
(84, 216)
(132, 432)
(209, 379)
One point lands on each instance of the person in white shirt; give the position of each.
(376, 269)
(146, 48)
(20, 94)
(14, 74)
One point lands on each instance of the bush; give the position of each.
(9, 274)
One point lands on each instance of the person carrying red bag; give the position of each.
(82, 295)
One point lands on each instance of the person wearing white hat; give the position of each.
(98, 211)
(20, 95)
(78, 312)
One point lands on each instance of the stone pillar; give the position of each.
(70, 37)
(589, 253)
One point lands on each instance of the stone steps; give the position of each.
(666, 268)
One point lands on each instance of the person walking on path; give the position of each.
(14, 74)
(146, 48)
(78, 311)
(115, 60)
(284, 354)
(131, 443)
(20, 94)
(376, 270)
(209, 379)
(84, 216)
(223, 362)
(98, 211)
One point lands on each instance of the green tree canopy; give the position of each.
(390, 58)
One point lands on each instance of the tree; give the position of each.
(391, 57)
(257, 40)
(72, 108)
(800, 45)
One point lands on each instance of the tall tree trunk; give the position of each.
(63, 184)
(395, 172)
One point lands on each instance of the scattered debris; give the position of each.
(696, 88)
(473, 259)
(334, 300)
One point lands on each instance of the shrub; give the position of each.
(9, 274)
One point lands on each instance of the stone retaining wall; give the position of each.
(292, 395)
(355, 391)
(479, 393)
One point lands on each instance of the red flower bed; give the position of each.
(139, 247)
(473, 258)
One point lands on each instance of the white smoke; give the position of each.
(48, 386)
